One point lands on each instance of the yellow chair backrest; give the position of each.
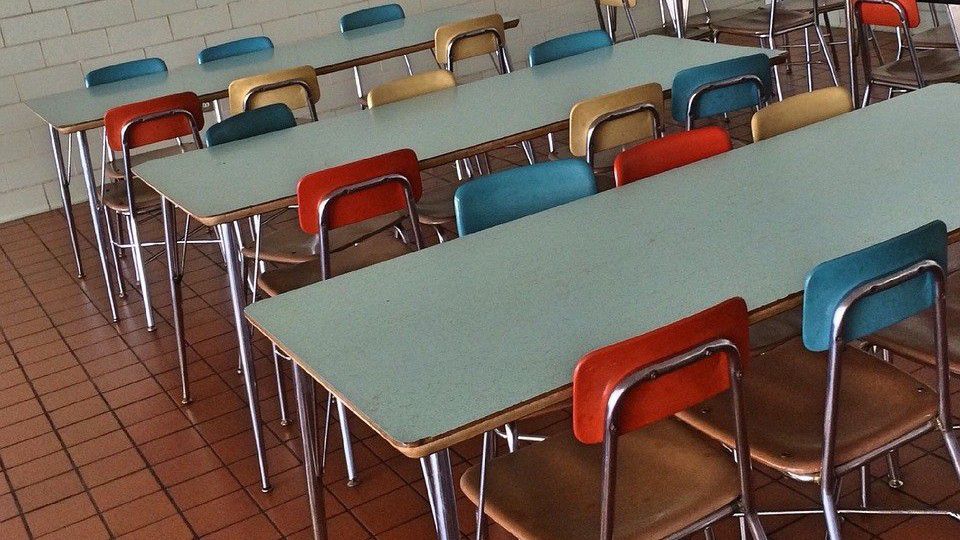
(468, 47)
(293, 95)
(618, 3)
(800, 110)
(634, 127)
(412, 86)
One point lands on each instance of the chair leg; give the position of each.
(326, 429)
(144, 282)
(953, 449)
(864, 486)
(833, 48)
(829, 496)
(107, 221)
(406, 60)
(633, 25)
(528, 150)
(489, 452)
(281, 391)
(352, 479)
(829, 58)
(894, 475)
(808, 58)
(866, 96)
(776, 73)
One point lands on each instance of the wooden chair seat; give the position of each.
(699, 20)
(436, 205)
(937, 65)
(114, 168)
(938, 37)
(756, 22)
(286, 243)
(668, 477)
(376, 249)
(115, 196)
(773, 331)
(784, 393)
(806, 6)
(913, 338)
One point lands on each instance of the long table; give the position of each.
(77, 111)
(221, 185)
(442, 345)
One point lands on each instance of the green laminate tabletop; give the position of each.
(84, 108)
(254, 175)
(429, 344)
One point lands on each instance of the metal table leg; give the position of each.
(439, 478)
(83, 147)
(851, 53)
(228, 240)
(64, 176)
(678, 9)
(304, 387)
(175, 276)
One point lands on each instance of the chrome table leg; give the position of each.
(83, 147)
(64, 176)
(231, 253)
(851, 53)
(304, 387)
(174, 277)
(439, 479)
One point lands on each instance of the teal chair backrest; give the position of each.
(250, 124)
(234, 48)
(512, 194)
(371, 16)
(721, 100)
(569, 45)
(829, 282)
(124, 71)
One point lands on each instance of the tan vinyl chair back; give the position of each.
(412, 86)
(634, 127)
(471, 46)
(800, 110)
(293, 95)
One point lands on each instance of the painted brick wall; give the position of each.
(47, 45)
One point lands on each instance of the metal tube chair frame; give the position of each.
(903, 34)
(135, 243)
(283, 84)
(734, 81)
(623, 113)
(608, 20)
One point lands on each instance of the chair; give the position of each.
(564, 47)
(814, 425)
(344, 196)
(461, 40)
(800, 110)
(615, 119)
(436, 208)
(938, 37)
(774, 21)
(508, 195)
(365, 18)
(628, 469)
(915, 70)
(124, 71)
(134, 126)
(296, 87)
(672, 151)
(609, 15)
(230, 49)
(720, 88)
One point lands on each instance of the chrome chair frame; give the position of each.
(623, 113)
(725, 83)
(903, 35)
(283, 84)
(652, 372)
(304, 383)
(608, 19)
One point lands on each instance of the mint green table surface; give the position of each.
(233, 180)
(434, 342)
(84, 108)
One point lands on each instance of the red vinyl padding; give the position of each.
(154, 131)
(675, 150)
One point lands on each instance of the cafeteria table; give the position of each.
(441, 345)
(77, 111)
(221, 185)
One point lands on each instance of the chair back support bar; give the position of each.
(296, 87)
(234, 48)
(615, 119)
(628, 385)
(569, 45)
(124, 71)
(720, 88)
(514, 193)
(370, 16)
(674, 150)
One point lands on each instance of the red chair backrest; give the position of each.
(157, 130)
(675, 150)
(874, 14)
(599, 372)
(365, 204)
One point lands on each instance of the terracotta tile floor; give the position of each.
(93, 441)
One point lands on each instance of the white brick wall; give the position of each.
(47, 45)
